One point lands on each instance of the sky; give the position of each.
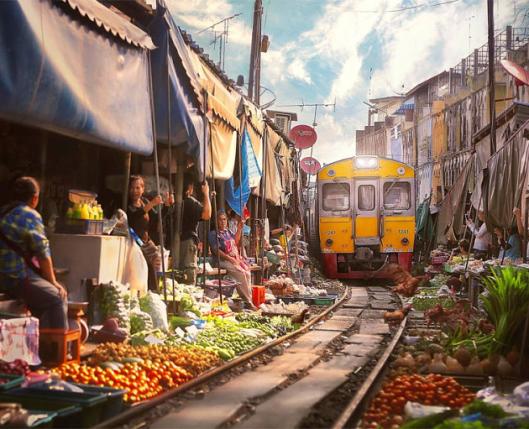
(348, 51)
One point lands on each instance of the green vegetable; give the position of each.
(458, 424)
(179, 322)
(488, 410)
(506, 305)
(423, 303)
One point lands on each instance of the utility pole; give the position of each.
(492, 93)
(254, 76)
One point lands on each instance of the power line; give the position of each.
(419, 6)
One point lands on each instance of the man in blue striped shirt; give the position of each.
(26, 267)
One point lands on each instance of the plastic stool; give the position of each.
(54, 346)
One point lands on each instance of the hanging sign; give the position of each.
(521, 76)
(304, 136)
(310, 165)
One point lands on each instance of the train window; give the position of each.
(366, 197)
(397, 195)
(336, 196)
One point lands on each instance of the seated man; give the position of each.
(224, 244)
(22, 240)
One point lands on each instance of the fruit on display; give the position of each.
(193, 359)
(17, 367)
(387, 408)
(142, 380)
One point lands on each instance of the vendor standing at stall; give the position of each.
(193, 213)
(26, 267)
(224, 244)
(143, 219)
(482, 238)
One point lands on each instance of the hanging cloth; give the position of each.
(237, 189)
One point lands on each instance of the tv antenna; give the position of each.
(315, 105)
(221, 37)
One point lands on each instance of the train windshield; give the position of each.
(366, 197)
(397, 195)
(336, 196)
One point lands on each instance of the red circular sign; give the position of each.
(520, 75)
(304, 136)
(310, 165)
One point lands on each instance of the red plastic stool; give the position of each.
(53, 346)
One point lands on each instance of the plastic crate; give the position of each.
(80, 226)
(12, 381)
(91, 405)
(65, 413)
(114, 404)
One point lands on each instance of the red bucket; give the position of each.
(258, 295)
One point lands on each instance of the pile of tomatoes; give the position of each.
(142, 381)
(387, 408)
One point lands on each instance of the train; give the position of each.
(364, 213)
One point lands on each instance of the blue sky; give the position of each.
(322, 50)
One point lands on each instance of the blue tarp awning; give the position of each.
(404, 108)
(78, 69)
(176, 88)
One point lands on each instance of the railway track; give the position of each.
(318, 376)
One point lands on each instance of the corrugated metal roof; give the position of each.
(111, 22)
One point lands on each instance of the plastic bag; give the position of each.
(153, 304)
(136, 271)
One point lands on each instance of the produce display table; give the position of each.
(102, 257)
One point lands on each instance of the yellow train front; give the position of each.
(366, 216)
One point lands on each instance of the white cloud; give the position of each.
(195, 15)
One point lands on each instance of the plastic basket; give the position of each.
(91, 404)
(65, 413)
(114, 404)
(80, 226)
(11, 381)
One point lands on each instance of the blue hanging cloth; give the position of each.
(237, 189)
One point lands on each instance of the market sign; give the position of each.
(310, 165)
(304, 136)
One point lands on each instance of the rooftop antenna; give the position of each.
(315, 105)
(221, 37)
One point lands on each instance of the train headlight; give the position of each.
(366, 162)
(329, 242)
(405, 241)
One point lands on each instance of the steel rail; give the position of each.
(368, 384)
(208, 375)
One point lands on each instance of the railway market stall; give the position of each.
(459, 365)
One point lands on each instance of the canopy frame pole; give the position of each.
(157, 176)
(289, 271)
(204, 168)
(170, 162)
(242, 142)
(127, 161)
(263, 199)
(214, 196)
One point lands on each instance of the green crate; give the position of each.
(65, 413)
(14, 380)
(91, 404)
(114, 404)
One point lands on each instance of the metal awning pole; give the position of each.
(157, 175)
(170, 161)
(263, 200)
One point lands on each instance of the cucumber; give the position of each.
(132, 360)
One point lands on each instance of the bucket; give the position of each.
(258, 295)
